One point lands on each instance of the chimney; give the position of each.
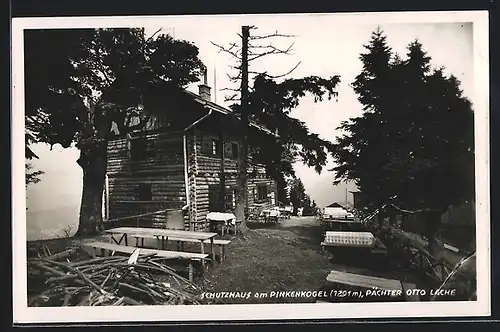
(204, 89)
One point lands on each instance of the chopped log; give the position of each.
(73, 287)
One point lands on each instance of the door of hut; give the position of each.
(174, 219)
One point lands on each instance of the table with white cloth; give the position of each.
(222, 220)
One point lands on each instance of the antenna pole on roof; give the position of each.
(215, 84)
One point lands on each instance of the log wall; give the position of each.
(161, 169)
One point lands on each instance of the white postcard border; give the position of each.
(481, 307)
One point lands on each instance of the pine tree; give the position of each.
(374, 87)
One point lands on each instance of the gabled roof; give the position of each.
(335, 205)
(226, 111)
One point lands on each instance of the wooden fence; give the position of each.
(165, 218)
(415, 258)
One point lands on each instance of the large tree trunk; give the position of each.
(93, 160)
(93, 163)
(242, 178)
(241, 208)
(241, 192)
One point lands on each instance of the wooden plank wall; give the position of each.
(163, 169)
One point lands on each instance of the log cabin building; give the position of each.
(184, 160)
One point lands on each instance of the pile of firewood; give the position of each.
(112, 280)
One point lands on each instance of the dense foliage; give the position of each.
(271, 104)
(80, 82)
(300, 199)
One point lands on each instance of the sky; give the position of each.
(324, 46)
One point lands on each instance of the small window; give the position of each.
(261, 192)
(144, 192)
(235, 150)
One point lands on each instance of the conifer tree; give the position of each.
(413, 147)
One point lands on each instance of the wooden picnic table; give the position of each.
(163, 235)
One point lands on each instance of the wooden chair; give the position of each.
(236, 227)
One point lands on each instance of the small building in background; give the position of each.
(337, 211)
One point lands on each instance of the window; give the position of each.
(144, 192)
(137, 148)
(235, 150)
(141, 148)
(261, 192)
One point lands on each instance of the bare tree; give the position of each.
(249, 50)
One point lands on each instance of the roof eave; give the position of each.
(228, 112)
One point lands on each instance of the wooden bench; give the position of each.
(180, 240)
(104, 246)
(376, 252)
(370, 282)
(221, 243)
